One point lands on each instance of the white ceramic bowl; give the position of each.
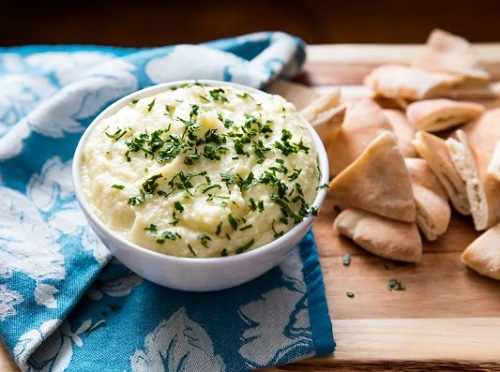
(195, 274)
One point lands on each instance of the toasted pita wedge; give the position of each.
(391, 103)
(468, 91)
(326, 122)
(494, 166)
(482, 188)
(377, 181)
(322, 103)
(433, 208)
(483, 254)
(397, 81)
(434, 115)
(404, 131)
(299, 94)
(385, 237)
(364, 120)
(484, 132)
(447, 52)
(434, 150)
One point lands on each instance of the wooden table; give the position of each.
(448, 318)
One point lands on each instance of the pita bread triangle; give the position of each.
(447, 52)
(377, 181)
(482, 189)
(483, 255)
(382, 236)
(433, 149)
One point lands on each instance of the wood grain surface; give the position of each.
(448, 318)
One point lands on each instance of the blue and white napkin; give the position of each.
(65, 304)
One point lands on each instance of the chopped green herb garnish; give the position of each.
(256, 206)
(169, 109)
(204, 239)
(232, 221)
(245, 247)
(219, 228)
(294, 175)
(244, 95)
(151, 104)
(217, 95)
(396, 285)
(152, 229)
(117, 135)
(100, 323)
(136, 200)
(350, 294)
(168, 235)
(346, 259)
(119, 187)
(178, 206)
(277, 234)
(150, 185)
(191, 250)
(214, 186)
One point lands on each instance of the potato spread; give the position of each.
(201, 170)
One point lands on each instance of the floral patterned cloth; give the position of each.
(65, 304)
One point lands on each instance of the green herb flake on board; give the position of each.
(346, 259)
(395, 285)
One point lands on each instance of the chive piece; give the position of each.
(204, 239)
(92, 328)
(119, 187)
(191, 250)
(117, 135)
(152, 229)
(350, 294)
(219, 228)
(214, 186)
(151, 104)
(178, 206)
(346, 259)
(396, 285)
(217, 95)
(232, 221)
(277, 234)
(323, 186)
(245, 247)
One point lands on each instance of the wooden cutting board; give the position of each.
(448, 318)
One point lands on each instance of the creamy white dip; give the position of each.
(201, 170)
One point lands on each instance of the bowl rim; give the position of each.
(148, 91)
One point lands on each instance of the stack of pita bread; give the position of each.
(399, 170)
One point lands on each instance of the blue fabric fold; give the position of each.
(65, 304)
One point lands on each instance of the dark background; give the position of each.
(140, 23)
